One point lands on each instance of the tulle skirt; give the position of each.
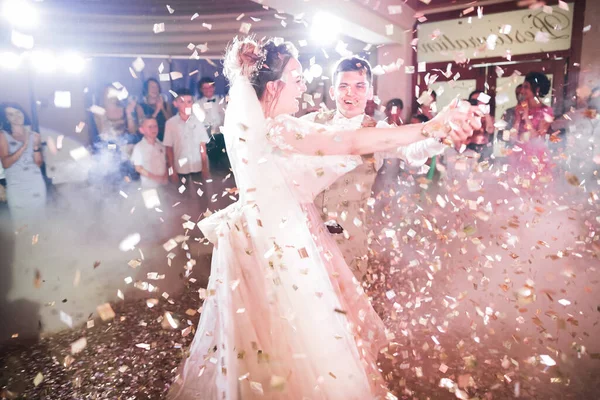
(253, 342)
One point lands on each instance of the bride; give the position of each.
(283, 317)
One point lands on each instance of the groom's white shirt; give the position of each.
(345, 201)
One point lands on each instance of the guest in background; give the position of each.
(150, 156)
(532, 116)
(532, 123)
(428, 106)
(117, 129)
(213, 106)
(372, 110)
(510, 114)
(185, 140)
(482, 139)
(393, 112)
(419, 119)
(155, 105)
(117, 120)
(21, 155)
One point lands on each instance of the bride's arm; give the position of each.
(314, 139)
(309, 138)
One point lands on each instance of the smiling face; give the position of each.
(527, 92)
(153, 89)
(15, 116)
(351, 91)
(288, 90)
(208, 90)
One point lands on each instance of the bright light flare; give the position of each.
(44, 61)
(10, 60)
(20, 13)
(325, 28)
(73, 63)
(316, 70)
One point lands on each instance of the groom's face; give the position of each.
(351, 91)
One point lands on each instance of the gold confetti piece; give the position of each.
(245, 27)
(37, 280)
(337, 310)
(39, 378)
(105, 311)
(303, 253)
(572, 179)
(277, 382)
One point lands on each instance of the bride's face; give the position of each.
(291, 86)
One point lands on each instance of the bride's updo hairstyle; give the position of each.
(261, 63)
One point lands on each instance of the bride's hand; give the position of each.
(456, 122)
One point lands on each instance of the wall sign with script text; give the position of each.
(496, 35)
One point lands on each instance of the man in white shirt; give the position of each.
(213, 106)
(149, 156)
(185, 140)
(343, 205)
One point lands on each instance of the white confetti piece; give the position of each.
(62, 99)
(542, 37)
(171, 11)
(130, 242)
(170, 245)
(66, 319)
(547, 360)
(158, 28)
(564, 302)
(394, 10)
(138, 64)
(389, 29)
(78, 345)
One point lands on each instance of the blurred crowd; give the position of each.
(173, 142)
(161, 143)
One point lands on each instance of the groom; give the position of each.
(343, 205)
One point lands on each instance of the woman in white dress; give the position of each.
(283, 316)
(21, 155)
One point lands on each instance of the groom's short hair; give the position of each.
(353, 63)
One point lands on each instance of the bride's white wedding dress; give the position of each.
(284, 317)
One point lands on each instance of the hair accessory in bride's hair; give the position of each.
(244, 57)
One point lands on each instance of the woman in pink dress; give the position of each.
(532, 122)
(283, 317)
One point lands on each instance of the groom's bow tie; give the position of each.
(211, 101)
